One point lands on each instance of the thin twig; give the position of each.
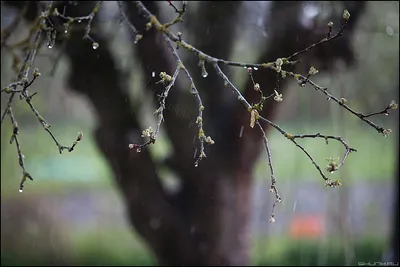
(89, 18)
(23, 81)
(325, 40)
(126, 20)
(342, 103)
(273, 188)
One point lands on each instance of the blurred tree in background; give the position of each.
(204, 218)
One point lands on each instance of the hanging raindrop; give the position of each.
(95, 45)
(255, 68)
(138, 150)
(203, 68)
(196, 164)
(20, 190)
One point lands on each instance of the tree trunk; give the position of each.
(208, 221)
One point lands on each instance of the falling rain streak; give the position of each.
(241, 132)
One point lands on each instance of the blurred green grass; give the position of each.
(90, 250)
(289, 252)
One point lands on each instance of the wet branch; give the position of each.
(23, 81)
(255, 109)
(346, 16)
(168, 81)
(21, 157)
(89, 18)
(342, 102)
(273, 188)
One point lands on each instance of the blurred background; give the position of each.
(74, 212)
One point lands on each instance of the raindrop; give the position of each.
(389, 30)
(294, 206)
(386, 114)
(153, 74)
(328, 99)
(95, 45)
(196, 164)
(331, 171)
(79, 20)
(138, 150)
(195, 152)
(241, 132)
(49, 46)
(20, 190)
(203, 68)
(245, 67)
(204, 73)
(255, 68)
(66, 31)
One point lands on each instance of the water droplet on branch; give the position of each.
(95, 45)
